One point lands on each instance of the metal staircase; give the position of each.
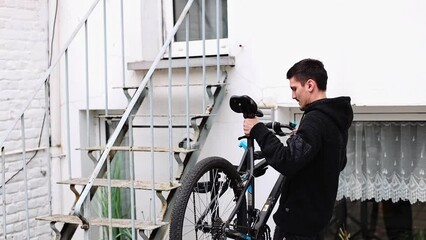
(161, 132)
(184, 153)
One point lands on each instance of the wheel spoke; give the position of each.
(205, 201)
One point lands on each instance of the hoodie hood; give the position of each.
(338, 109)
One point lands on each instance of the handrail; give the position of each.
(45, 77)
(136, 97)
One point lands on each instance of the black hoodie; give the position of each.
(311, 161)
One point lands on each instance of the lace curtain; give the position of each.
(386, 161)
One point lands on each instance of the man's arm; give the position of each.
(301, 147)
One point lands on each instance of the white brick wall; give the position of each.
(23, 60)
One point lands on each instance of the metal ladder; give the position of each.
(209, 91)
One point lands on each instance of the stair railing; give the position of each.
(7, 141)
(131, 108)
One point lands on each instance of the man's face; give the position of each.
(300, 93)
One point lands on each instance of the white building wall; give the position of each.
(23, 60)
(373, 51)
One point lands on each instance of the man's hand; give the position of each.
(248, 124)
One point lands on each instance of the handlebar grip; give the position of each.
(273, 125)
(276, 126)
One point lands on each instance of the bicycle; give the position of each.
(216, 199)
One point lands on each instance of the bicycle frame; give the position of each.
(256, 220)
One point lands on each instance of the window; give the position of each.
(386, 154)
(382, 188)
(212, 27)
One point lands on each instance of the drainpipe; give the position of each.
(55, 115)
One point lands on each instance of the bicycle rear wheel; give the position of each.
(205, 200)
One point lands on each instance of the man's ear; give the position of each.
(311, 84)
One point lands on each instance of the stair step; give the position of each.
(138, 149)
(175, 85)
(119, 223)
(160, 126)
(138, 184)
(118, 116)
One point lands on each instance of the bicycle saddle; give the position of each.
(245, 105)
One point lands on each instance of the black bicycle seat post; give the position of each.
(250, 147)
(251, 189)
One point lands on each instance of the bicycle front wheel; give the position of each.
(205, 200)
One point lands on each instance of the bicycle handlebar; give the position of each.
(248, 107)
(277, 127)
(273, 125)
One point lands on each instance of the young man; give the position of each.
(313, 156)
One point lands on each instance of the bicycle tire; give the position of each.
(196, 191)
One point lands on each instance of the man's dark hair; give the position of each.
(309, 69)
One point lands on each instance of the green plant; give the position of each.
(116, 204)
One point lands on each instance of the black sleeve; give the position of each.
(301, 147)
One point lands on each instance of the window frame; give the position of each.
(179, 49)
(378, 113)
